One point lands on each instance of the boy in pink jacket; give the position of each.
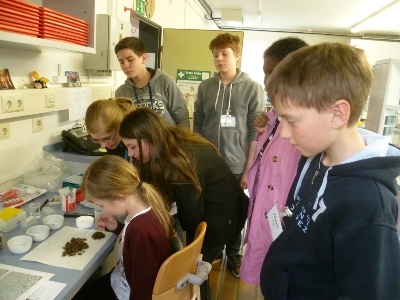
(271, 174)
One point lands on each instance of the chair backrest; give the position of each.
(177, 266)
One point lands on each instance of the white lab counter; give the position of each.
(73, 278)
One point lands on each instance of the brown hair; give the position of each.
(133, 43)
(172, 161)
(226, 40)
(317, 76)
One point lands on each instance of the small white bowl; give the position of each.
(54, 221)
(20, 244)
(38, 232)
(84, 222)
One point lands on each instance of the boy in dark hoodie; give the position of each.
(340, 242)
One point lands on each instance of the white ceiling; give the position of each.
(312, 16)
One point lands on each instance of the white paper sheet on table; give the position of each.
(48, 291)
(19, 283)
(50, 251)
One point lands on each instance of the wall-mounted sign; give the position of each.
(188, 82)
(141, 7)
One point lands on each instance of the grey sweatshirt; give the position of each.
(161, 94)
(244, 98)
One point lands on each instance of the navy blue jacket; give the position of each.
(342, 239)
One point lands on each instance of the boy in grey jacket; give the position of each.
(224, 111)
(147, 87)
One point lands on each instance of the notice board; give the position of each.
(187, 49)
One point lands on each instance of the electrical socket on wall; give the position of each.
(37, 124)
(50, 100)
(4, 131)
(12, 103)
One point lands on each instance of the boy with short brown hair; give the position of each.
(224, 111)
(147, 87)
(341, 241)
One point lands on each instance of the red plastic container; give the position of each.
(58, 26)
(19, 17)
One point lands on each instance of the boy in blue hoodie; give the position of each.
(340, 240)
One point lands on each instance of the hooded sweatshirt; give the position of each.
(341, 241)
(161, 94)
(243, 99)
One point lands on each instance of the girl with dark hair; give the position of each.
(271, 173)
(188, 170)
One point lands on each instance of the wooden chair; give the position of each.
(175, 277)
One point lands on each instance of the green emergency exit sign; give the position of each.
(141, 7)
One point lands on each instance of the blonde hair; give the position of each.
(111, 175)
(317, 76)
(107, 115)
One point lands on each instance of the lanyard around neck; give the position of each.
(260, 154)
(150, 94)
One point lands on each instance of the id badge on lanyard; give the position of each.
(228, 121)
(274, 222)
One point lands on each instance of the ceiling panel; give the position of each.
(319, 16)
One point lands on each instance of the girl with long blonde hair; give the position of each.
(114, 184)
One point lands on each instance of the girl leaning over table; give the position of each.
(189, 171)
(113, 184)
(103, 119)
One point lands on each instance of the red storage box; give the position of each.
(63, 18)
(58, 26)
(68, 27)
(14, 29)
(19, 17)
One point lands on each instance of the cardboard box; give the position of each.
(68, 198)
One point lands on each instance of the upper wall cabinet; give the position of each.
(81, 9)
(110, 30)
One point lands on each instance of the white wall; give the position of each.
(21, 63)
(183, 14)
(377, 50)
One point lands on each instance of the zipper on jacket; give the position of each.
(220, 114)
(315, 175)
